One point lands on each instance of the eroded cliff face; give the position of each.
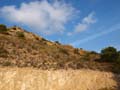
(34, 79)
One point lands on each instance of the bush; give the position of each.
(44, 39)
(109, 54)
(64, 51)
(3, 28)
(76, 51)
(117, 65)
(57, 42)
(86, 57)
(118, 59)
(93, 52)
(20, 34)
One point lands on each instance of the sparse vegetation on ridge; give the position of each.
(35, 51)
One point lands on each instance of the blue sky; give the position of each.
(88, 24)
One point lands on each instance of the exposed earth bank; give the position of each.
(35, 79)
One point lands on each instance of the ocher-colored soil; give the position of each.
(35, 79)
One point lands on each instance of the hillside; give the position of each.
(30, 62)
(25, 49)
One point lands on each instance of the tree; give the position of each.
(118, 60)
(109, 54)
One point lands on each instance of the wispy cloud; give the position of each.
(88, 39)
(42, 16)
(84, 24)
(90, 19)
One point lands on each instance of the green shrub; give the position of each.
(3, 28)
(20, 34)
(118, 59)
(117, 65)
(109, 54)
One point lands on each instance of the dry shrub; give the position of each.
(3, 52)
(20, 34)
(3, 28)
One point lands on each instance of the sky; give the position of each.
(88, 24)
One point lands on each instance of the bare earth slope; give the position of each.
(34, 79)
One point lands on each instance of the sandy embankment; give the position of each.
(34, 79)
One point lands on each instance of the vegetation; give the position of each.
(3, 52)
(64, 51)
(43, 39)
(3, 28)
(76, 51)
(7, 63)
(20, 34)
(109, 54)
(57, 42)
(118, 59)
(38, 52)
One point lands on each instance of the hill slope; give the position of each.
(24, 49)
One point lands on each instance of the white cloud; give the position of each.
(90, 19)
(81, 27)
(69, 33)
(86, 22)
(111, 29)
(42, 16)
